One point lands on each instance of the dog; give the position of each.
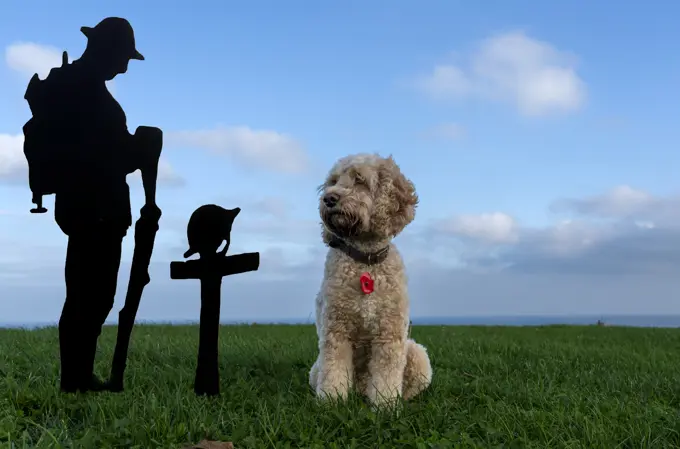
(362, 308)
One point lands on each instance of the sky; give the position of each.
(541, 138)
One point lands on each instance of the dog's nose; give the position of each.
(331, 199)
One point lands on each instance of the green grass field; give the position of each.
(549, 387)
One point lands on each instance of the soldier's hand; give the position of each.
(150, 140)
(151, 212)
(148, 130)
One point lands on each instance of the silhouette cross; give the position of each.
(210, 269)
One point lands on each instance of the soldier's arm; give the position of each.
(118, 148)
(125, 151)
(140, 149)
(130, 154)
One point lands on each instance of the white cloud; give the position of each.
(566, 238)
(574, 266)
(167, 176)
(624, 231)
(446, 81)
(533, 75)
(276, 207)
(618, 202)
(28, 58)
(446, 131)
(13, 165)
(254, 148)
(494, 227)
(12, 159)
(645, 224)
(628, 205)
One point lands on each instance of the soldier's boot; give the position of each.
(70, 378)
(77, 364)
(88, 380)
(69, 381)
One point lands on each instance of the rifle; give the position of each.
(150, 141)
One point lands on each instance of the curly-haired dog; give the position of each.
(363, 330)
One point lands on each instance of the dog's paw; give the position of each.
(383, 398)
(327, 394)
(333, 384)
(386, 405)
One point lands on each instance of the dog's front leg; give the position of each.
(386, 369)
(336, 369)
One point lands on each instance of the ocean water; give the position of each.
(546, 320)
(517, 320)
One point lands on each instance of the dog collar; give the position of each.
(360, 256)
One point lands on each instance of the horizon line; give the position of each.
(430, 320)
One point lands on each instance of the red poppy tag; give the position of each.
(366, 283)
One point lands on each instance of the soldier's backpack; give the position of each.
(45, 140)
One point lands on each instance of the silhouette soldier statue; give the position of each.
(78, 147)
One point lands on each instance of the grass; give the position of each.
(548, 387)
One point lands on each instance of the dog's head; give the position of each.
(366, 197)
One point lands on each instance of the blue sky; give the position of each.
(540, 137)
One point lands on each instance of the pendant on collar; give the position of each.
(366, 283)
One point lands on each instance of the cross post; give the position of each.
(210, 270)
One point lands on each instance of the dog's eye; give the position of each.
(359, 179)
(332, 181)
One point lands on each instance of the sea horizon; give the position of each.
(651, 320)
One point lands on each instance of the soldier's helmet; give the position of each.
(115, 35)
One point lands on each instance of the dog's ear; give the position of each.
(400, 195)
(406, 198)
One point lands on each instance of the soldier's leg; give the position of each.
(70, 322)
(102, 292)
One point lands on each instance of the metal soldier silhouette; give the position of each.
(79, 148)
